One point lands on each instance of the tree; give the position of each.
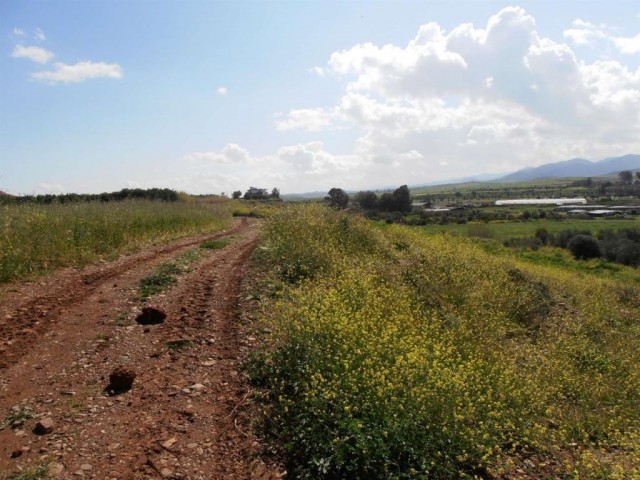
(337, 198)
(403, 199)
(237, 194)
(275, 193)
(584, 247)
(625, 177)
(367, 199)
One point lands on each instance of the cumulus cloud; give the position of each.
(232, 153)
(585, 33)
(628, 45)
(222, 91)
(79, 72)
(479, 99)
(36, 54)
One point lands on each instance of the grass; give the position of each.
(399, 355)
(35, 239)
(37, 472)
(505, 230)
(165, 275)
(214, 244)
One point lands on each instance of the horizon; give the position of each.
(214, 97)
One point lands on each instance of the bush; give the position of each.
(584, 247)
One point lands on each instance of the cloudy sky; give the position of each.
(211, 97)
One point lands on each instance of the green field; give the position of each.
(394, 354)
(35, 239)
(505, 230)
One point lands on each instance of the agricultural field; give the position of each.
(504, 230)
(38, 238)
(392, 353)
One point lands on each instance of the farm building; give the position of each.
(542, 201)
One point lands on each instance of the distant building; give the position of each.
(256, 193)
(541, 201)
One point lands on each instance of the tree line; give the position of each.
(397, 201)
(160, 194)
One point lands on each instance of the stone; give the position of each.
(166, 473)
(151, 316)
(121, 378)
(169, 443)
(86, 467)
(44, 426)
(55, 469)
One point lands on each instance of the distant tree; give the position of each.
(403, 199)
(625, 177)
(387, 202)
(638, 176)
(275, 193)
(337, 198)
(584, 247)
(237, 194)
(366, 199)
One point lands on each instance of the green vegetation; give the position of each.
(38, 238)
(17, 415)
(394, 354)
(214, 244)
(165, 275)
(505, 230)
(37, 472)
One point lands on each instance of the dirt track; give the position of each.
(187, 415)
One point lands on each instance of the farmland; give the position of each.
(37, 238)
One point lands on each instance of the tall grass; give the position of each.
(399, 355)
(38, 238)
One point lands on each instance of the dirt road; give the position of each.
(187, 415)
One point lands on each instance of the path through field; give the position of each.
(186, 416)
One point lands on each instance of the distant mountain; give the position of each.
(578, 167)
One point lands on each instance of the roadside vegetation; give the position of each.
(39, 237)
(395, 354)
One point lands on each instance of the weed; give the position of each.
(17, 416)
(37, 472)
(214, 244)
(177, 345)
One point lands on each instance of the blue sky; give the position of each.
(211, 97)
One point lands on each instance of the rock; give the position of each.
(44, 426)
(169, 443)
(166, 473)
(197, 387)
(121, 379)
(55, 469)
(86, 467)
(151, 316)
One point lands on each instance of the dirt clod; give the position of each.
(151, 316)
(121, 379)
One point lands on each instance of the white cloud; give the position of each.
(231, 153)
(477, 100)
(585, 33)
(36, 54)
(18, 32)
(39, 34)
(312, 119)
(79, 72)
(222, 91)
(628, 45)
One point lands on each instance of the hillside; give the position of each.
(577, 167)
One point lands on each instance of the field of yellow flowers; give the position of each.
(37, 238)
(398, 355)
